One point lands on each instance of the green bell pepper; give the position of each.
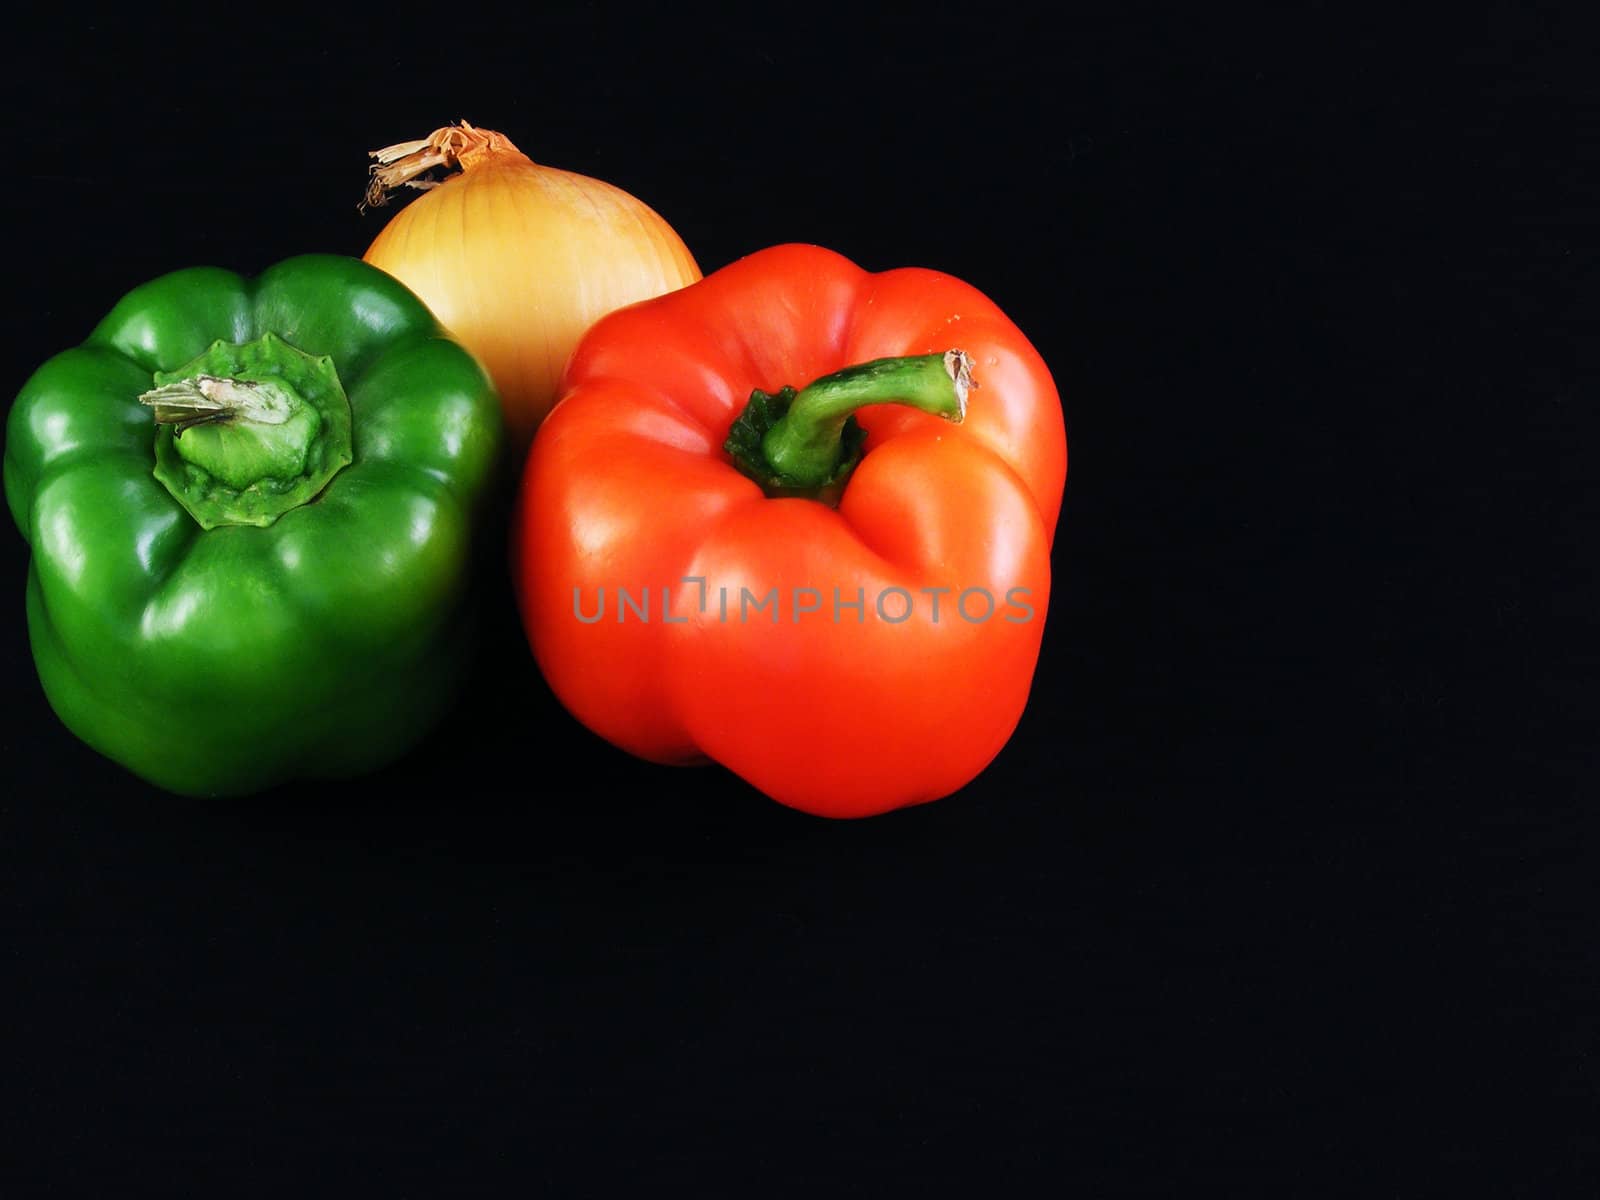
(253, 506)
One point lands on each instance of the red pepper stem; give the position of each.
(807, 446)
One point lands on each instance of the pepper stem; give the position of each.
(807, 442)
(246, 432)
(459, 145)
(205, 398)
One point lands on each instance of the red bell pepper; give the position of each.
(837, 593)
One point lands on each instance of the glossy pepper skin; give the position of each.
(628, 486)
(224, 660)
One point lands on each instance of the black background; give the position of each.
(1287, 881)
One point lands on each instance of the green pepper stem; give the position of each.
(202, 399)
(246, 432)
(806, 441)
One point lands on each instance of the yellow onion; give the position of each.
(517, 260)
